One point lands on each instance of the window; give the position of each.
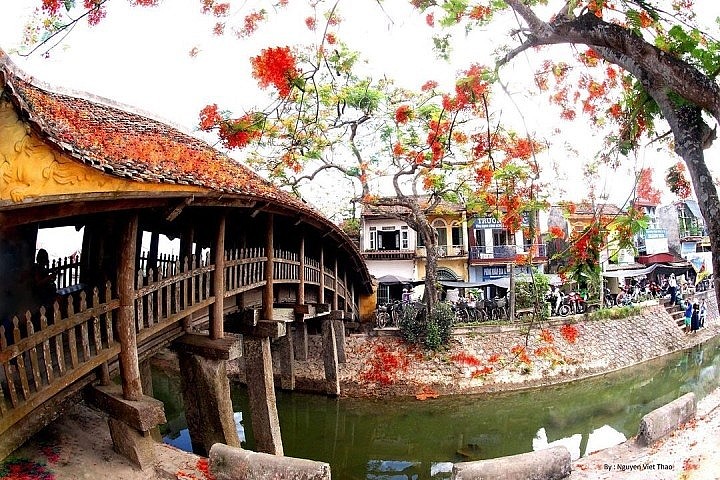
(441, 229)
(501, 237)
(480, 238)
(373, 238)
(457, 235)
(404, 242)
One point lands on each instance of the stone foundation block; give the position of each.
(548, 464)
(662, 421)
(231, 463)
(136, 446)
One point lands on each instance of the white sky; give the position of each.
(139, 56)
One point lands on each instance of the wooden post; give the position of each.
(300, 340)
(336, 295)
(301, 273)
(267, 304)
(152, 258)
(186, 244)
(346, 291)
(128, 358)
(321, 296)
(216, 313)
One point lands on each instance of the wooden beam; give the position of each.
(128, 358)
(173, 213)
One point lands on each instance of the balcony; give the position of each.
(443, 251)
(506, 252)
(388, 254)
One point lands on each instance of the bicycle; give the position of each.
(382, 317)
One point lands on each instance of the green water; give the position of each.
(409, 439)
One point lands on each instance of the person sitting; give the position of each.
(43, 286)
(406, 296)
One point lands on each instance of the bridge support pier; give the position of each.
(206, 389)
(300, 332)
(130, 421)
(287, 361)
(333, 341)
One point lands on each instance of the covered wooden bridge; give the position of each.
(253, 260)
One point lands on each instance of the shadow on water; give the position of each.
(396, 439)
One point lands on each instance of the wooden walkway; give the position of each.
(47, 355)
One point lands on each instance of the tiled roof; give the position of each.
(444, 207)
(129, 145)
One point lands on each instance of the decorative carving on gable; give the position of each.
(31, 168)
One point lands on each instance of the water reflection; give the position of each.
(408, 439)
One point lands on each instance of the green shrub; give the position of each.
(430, 331)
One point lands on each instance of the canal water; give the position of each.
(395, 439)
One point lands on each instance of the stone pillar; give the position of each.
(337, 317)
(299, 331)
(147, 388)
(206, 389)
(259, 378)
(330, 357)
(287, 362)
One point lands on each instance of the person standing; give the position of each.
(672, 287)
(695, 319)
(688, 316)
(702, 313)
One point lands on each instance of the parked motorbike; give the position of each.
(572, 304)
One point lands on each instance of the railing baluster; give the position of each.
(32, 353)
(47, 358)
(97, 336)
(109, 317)
(20, 360)
(72, 336)
(9, 371)
(84, 334)
(59, 349)
(151, 300)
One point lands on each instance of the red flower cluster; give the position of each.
(569, 333)
(403, 114)
(557, 232)
(480, 12)
(250, 23)
(209, 117)
(429, 85)
(546, 336)
(310, 23)
(240, 132)
(275, 66)
(520, 353)
(466, 359)
(384, 366)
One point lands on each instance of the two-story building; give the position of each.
(392, 249)
(494, 249)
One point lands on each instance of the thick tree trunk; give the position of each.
(690, 130)
(431, 248)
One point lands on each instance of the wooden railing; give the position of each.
(66, 270)
(43, 353)
(244, 270)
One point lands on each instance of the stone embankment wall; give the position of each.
(487, 358)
